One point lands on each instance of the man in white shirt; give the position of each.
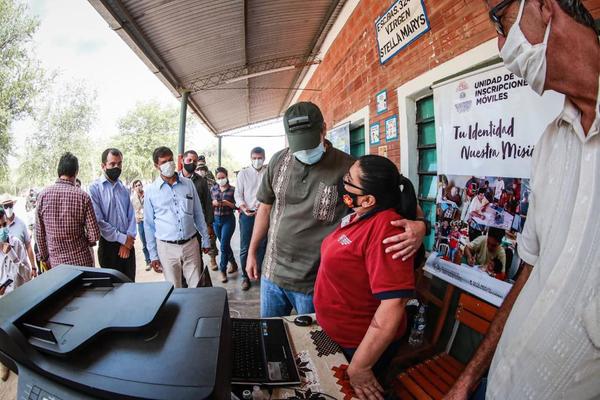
(545, 339)
(475, 210)
(15, 269)
(248, 182)
(499, 188)
(17, 227)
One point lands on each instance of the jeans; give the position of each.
(140, 227)
(224, 226)
(246, 227)
(278, 302)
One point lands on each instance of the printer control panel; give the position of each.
(37, 393)
(33, 386)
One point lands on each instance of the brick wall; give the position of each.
(350, 74)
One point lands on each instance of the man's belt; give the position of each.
(183, 241)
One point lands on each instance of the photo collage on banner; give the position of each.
(486, 139)
(478, 219)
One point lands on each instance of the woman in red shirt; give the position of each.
(361, 290)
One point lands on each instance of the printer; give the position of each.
(90, 333)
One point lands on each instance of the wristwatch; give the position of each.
(427, 225)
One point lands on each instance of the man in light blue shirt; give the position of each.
(115, 216)
(172, 219)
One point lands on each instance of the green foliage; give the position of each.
(62, 124)
(21, 77)
(144, 128)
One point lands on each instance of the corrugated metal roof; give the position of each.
(202, 45)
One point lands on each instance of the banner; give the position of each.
(399, 26)
(470, 279)
(340, 137)
(487, 124)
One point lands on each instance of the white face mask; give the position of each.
(222, 182)
(167, 169)
(310, 156)
(9, 212)
(526, 60)
(257, 163)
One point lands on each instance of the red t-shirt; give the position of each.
(355, 274)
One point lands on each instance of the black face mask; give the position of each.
(189, 168)
(113, 173)
(349, 199)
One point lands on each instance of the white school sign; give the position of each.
(399, 26)
(487, 123)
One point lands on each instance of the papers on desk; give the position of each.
(469, 279)
(496, 217)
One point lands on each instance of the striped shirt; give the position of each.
(66, 225)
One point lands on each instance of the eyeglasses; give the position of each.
(497, 19)
(346, 182)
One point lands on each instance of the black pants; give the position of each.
(382, 365)
(108, 256)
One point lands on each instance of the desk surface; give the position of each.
(321, 365)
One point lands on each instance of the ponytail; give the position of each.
(380, 178)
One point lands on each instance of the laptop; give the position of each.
(262, 353)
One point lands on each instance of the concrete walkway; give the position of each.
(241, 304)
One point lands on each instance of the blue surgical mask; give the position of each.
(3, 235)
(310, 156)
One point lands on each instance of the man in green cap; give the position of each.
(300, 205)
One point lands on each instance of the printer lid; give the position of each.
(59, 312)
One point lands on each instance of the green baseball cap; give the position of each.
(303, 125)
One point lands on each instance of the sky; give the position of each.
(74, 40)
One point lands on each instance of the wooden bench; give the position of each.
(434, 377)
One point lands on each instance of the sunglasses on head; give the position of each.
(496, 18)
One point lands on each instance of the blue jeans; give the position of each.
(278, 302)
(140, 227)
(246, 227)
(224, 226)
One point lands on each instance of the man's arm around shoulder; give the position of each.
(482, 359)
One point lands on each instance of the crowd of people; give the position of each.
(294, 213)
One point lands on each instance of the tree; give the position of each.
(149, 125)
(62, 124)
(21, 77)
(144, 128)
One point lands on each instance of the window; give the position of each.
(427, 162)
(357, 141)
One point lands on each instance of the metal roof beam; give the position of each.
(248, 71)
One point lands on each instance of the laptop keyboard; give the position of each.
(248, 360)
